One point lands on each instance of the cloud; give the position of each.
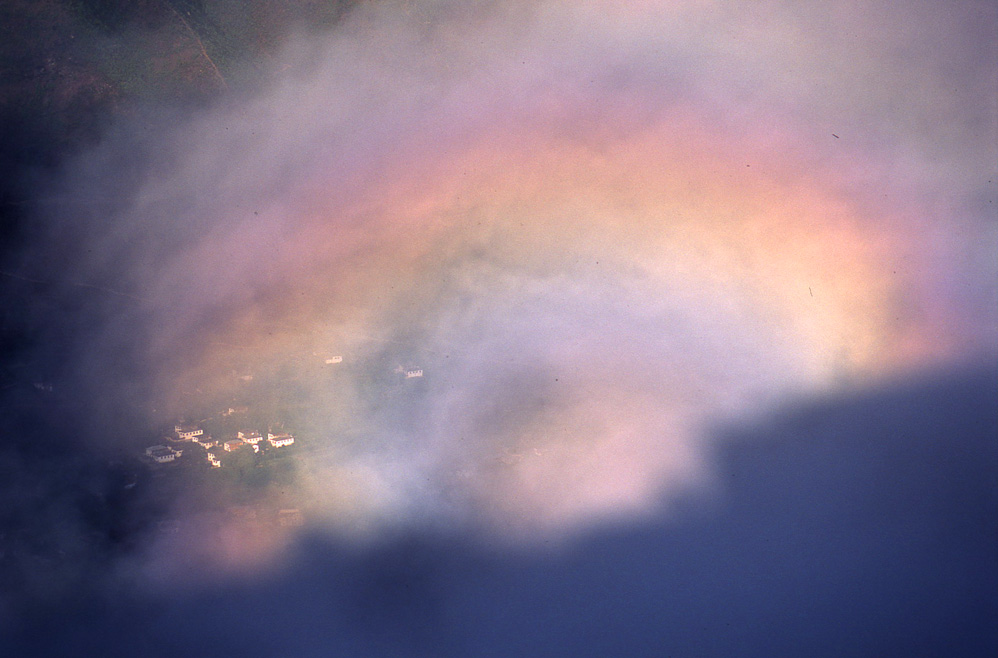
(599, 231)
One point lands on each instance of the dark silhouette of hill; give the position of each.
(861, 526)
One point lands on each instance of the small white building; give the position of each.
(187, 432)
(205, 440)
(280, 440)
(334, 360)
(214, 460)
(233, 444)
(409, 374)
(162, 454)
(231, 411)
(250, 436)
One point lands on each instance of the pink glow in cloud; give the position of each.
(599, 229)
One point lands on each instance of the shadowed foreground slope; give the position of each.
(864, 526)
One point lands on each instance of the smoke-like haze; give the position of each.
(600, 229)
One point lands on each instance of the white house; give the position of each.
(205, 440)
(333, 360)
(162, 454)
(409, 374)
(290, 518)
(214, 460)
(234, 444)
(250, 436)
(187, 432)
(280, 440)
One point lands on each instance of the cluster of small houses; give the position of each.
(407, 373)
(163, 454)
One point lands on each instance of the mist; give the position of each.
(624, 247)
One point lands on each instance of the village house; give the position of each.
(231, 411)
(233, 444)
(250, 436)
(186, 432)
(280, 440)
(214, 460)
(162, 454)
(334, 360)
(205, 440)
(409, 373)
